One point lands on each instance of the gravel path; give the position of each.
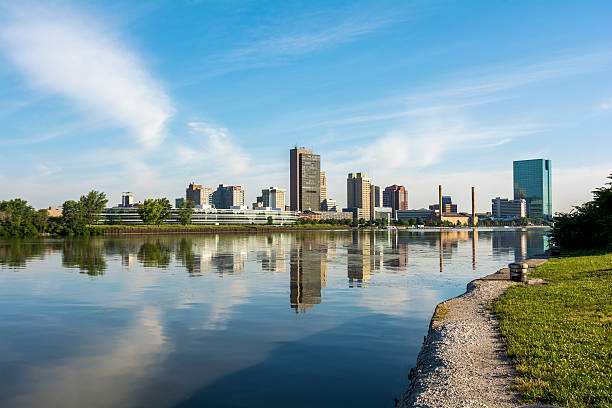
(463, 362)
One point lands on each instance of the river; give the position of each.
(304, 319)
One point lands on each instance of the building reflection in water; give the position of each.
(222, 254)
(396, 255)
(127, 260)
(308, 272)
(522, 243)
(272, 257)
(441, 251)
(447, 242)
(474, 239)
(365, 255)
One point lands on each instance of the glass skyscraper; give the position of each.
(532, 182)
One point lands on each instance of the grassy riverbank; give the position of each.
(559, 334)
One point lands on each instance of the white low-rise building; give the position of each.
(505, 208)
(205, 216)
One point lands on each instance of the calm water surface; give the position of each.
(310, 319)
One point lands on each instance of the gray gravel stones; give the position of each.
(463, 362)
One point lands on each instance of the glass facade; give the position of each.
(310, 181)
(532, 182)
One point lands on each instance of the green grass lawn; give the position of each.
(559, 335)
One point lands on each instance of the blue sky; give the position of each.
(149, 96)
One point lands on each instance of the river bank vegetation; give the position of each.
(82, 218)
(18, 219)
(588, 226)
(558, 334)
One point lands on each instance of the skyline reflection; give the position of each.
(366, 251)
(228, 314)
(308, 273)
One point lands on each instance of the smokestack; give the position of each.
(473, 208)
(440, 199)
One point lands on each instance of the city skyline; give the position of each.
(118, 97)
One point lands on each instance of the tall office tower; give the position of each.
(395, 197)
(305, 179)
(532, 182)
(375, 200)
(226, 196)
(358, 193)
(323, 188)
(273, 197)
(127, 199)
(194, 193)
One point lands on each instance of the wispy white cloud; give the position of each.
(467, 90)
(45, 170)
(69, 54)
(441, 121)
(296, 43)
(496, 79)
(214, 150)
(413, 150)
(132, 352)
(424, 145)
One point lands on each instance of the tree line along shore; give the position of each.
(82, 218)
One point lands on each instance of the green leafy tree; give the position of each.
(165, 211)
(150, 211)
(155, 211)
(17, 218)
(186, 211)
(73, 216)
(588, 226)
(40, 219)
(93, 204)
(270, 220)
(15, 212)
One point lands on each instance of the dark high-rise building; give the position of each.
(532, 182)
(228, 196)
(375, 200)
(395, 197)
(198, 195)
(305, 180)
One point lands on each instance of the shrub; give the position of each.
(588, 226)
